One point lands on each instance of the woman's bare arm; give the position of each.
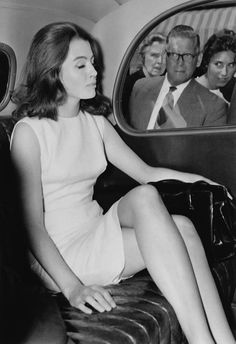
(121, 156)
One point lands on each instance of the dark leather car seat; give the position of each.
(31, 314)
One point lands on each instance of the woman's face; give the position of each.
(221, 69)
(154, 59)
(78, 74)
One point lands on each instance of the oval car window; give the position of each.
(7, 73)
(138, 85)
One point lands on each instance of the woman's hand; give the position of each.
(191, 177)
(95, 296)
(196, 178)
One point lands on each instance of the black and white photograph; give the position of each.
(118, 172)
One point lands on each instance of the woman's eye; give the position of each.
(80, 66)
(231, 65)
(219, 64)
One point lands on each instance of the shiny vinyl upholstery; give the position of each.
(142, 316)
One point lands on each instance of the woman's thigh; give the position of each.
(132, 209)
(133, 258)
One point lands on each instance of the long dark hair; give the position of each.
(41, 91)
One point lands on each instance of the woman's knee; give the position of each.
(140, 202)
(145, 195)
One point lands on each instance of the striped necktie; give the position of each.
(167, 102)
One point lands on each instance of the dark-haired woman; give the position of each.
(218, 62)
(60, 147)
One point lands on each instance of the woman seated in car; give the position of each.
(60, 146)
(218, 62)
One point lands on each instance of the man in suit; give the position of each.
(176, 100)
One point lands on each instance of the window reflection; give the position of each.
(205, 22)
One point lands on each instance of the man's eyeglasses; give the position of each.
(187, 57)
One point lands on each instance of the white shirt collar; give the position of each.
(179, 89)
(163, 91)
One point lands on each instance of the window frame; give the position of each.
(125, 64)
(9, 52)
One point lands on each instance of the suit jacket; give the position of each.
(198, 106)
(128, 86)
(227, 90)
(132, 78)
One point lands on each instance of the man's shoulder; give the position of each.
(204, 93)
(148, 82)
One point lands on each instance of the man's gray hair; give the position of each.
(184, 31)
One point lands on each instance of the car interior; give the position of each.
(30, 313)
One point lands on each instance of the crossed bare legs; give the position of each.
(171, 250)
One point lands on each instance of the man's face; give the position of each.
(180, 69)
(154, 59)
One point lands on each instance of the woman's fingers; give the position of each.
(84, 308)
(100, 300)
(109, 299)
(97, 302)
(106, 296)
(103, 302)
(95, 296)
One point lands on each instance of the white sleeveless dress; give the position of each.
(72, 158)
